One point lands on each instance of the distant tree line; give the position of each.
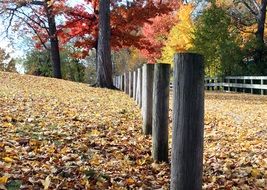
(7, 63)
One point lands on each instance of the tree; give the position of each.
(126, 20)
(39, 63)
(126, 59)
(250, 17)
(219, 45)
(7, 63)
(37, 17)
(155, 34)
(104, 65)
(180, 37)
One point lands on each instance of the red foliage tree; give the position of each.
(127, 20)
(37, 17)
(155, 35)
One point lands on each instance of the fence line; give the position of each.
(151, 93)
(248, 84)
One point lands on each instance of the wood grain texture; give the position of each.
(188, 122)
(126, 83)
(131, 84)
(160, 114)
(134, 84)
(147, 96)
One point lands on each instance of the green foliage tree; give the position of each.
(218, 42)
(39, 63)
(7, 63)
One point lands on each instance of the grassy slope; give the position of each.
(66, 135)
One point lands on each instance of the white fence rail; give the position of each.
(247, 84)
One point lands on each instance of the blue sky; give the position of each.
(17, 51)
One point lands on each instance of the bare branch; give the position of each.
(34, 30)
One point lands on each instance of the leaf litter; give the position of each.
(58, 134)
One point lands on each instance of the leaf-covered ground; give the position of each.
(57, 134)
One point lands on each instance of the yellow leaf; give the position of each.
(8, 159)
(95, 160)
(46, 182)
(130, 181)
(255, 172)
(94, 132)
(7, 118)
(3, 180)
(7, 124)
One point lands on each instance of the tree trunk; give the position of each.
(104, 65)
(260, 32)
(55, 55)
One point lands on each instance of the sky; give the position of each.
(18, 51)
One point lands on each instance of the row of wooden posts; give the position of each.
(149, 86)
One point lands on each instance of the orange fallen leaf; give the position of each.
(8, 159)
(130, 181)
(3, 180)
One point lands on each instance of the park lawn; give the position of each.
(56, 134)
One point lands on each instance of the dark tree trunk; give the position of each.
(260, 32)
(104, 65)
(55, 55)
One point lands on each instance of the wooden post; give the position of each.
(126, 83)
(262, 90)
(188, 122)
(251, 90)
(228, 83)
(143, 82)
(235, 88)
(134, 84)
(130, 84)
(120, 79)
(147, 94)
(119, 82)
(160, 114)
(139, 87)
(244, 82)
(115, 81)
(122, 82)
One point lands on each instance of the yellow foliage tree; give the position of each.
(181, 35)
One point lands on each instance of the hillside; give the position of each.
(56, 134)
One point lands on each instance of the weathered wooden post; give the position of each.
(139, 87)
(131, 84)
(120, 79)
(116, 81)
(147, 96)
(262, 83)
(251, 90)
(188, 122)
(122, 83)
(134, 84)
(160, 114)
(126, 83)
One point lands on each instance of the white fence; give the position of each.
(247, 84)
